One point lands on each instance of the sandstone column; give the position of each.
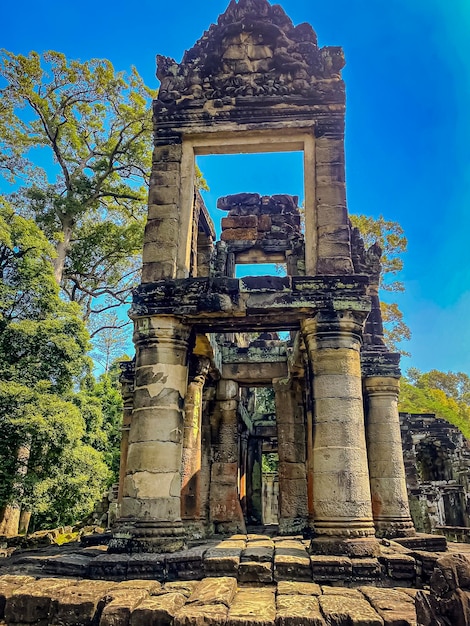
(225, 508)
(191, 503)
(386, 468)
(291, 435)
(127, 392)
(151, 505)
(163, 231)
(343, 521)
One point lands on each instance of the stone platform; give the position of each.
(251, 580)
(251, 558)
(211, 601)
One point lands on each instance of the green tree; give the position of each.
(43, 345)
(445, 394)
(111, 340)
(108, 391)
(389, 235)
(94, 125)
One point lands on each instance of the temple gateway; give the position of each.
(205, 341)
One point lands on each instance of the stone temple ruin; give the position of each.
(256, 83)
(203, 535)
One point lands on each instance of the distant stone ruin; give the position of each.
(191, 449)
(437, 466)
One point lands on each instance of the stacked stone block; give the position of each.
(256, 218)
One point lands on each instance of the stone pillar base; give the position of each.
(230, 528)
(292, 526)
(356, 547)
(392, 529)
(132, 537)
(198, 529)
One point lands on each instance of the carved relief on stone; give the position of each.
(253, 50)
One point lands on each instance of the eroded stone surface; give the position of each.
(252, 607)
(394, 606)
(298, 610)
(157, 610)
(214, 591)
(118, 612)
(342, 610)
(213, 602)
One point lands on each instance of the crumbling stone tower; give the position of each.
(255, 83)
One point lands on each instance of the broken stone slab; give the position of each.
(452, 572)
(425, 564)
(34, 601)
(157, 610)
(428, 611)
(330, 568)
(81, 604)
(214, 591)
(399, 566)
(298, 610)
(252, 607)
(394, 606)
(9, 584)
(118, 612)
(345, 610)
(255, 572)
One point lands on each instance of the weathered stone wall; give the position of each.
(437, 462)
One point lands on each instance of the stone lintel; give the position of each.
(255, 373)
(217, 304)
(248, 113)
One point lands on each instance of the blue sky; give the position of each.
(407, 134)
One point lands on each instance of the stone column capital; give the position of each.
(382, 385)
(161, 330)
(334, 329)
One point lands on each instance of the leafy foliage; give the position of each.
(43, 344)
(94, 126)
(445, 394)
(391, 238)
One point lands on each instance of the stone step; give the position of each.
(212, 601)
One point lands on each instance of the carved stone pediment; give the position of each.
(254, 51)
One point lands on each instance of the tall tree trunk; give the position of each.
(10, 515)
(62, 249)
(25, 518)
(9, 520)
